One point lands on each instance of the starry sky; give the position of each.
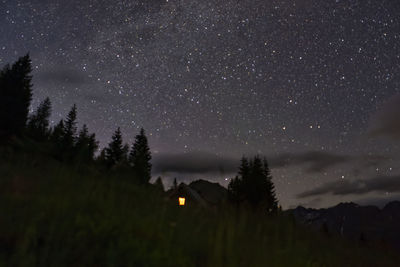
(312, 85)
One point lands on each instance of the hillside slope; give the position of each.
(61, 215)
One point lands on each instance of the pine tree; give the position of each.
(244, 168)
(254, 185)
(159, 184)
(93, 146)
(83, 136)
(15, 96)
(235, 190)
(58, 132)
(70, 129)
(125, 155)
(86, 144)
(81, 146)
(140, 158)
(38, 123)
(271, 203)
(114, 153)
(102, 158)
(175, 184)
(56, 138)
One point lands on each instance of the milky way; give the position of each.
(297, 81)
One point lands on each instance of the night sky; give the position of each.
(312, 85)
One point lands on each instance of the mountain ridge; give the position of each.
(366, 223)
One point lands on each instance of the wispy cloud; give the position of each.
(389, 184)
(317, 161)
(194, 163)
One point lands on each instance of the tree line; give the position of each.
(66, 143)
(251, 187)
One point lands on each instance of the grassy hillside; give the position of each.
(60, 215)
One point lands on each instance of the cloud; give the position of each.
(201, 162)
(194, 163)
(318, 161)
(62, 76)
(386, 122)
(389, 184)
(206, 163)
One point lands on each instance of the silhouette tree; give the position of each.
(235, 186)
(86, 145)
(244, 169)
(15, 96)
(83, 137)
(70, 129)
(140, 157)
(102, 158)
(159, 184)
(38, 123)
(175, 184)
(114, 153)
(271, 202)
(58, 132)
(93, 146)
(56, 138)
(254, 186)
(234, 190)
(253, 183)
(125, 155)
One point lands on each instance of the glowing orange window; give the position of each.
(182, 201)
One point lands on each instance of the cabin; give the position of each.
(190, 195)
(199, 193)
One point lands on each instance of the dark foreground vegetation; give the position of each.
(58, 215)
(61, 205)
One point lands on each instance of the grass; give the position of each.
(59, 215)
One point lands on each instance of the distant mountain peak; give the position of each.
(352, 220)
(347, 205)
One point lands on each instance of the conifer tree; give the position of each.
(254, 185)
(70, 129)
(81, 146)
(86, 144)
(125, 154)
(140, 157)
(114, 153)
(159, 184)
(83, 136)
(175, 184)
(102, 158)
(15, 96)
(234, 190)
(56, 138)
(93, 146)
(58, 132)
(38, 123)
(271, 203)
(244, 168)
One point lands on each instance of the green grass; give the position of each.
(59, 215)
